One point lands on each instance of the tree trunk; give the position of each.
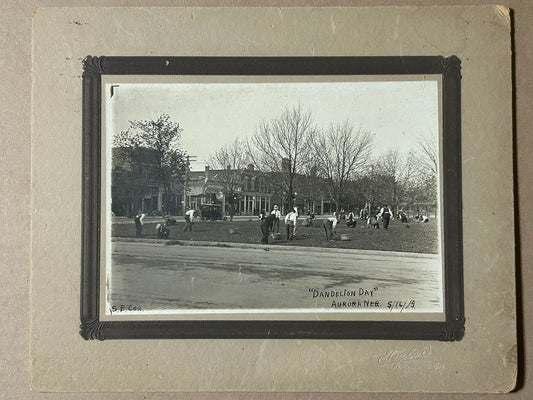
(231, 212)
(291, 195)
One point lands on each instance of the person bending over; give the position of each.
(329, 225)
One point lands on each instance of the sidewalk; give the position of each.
(277, 247)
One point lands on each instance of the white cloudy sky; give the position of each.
(215, 113)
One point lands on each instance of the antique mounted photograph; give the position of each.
(272, 197)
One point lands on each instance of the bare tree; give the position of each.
(426, 192)
(374, 187)
(429, 149)
(227, 165)
(401, 172)
(280, 149)
(341, 153)
(311, 187)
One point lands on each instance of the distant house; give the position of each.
(248, 191)
(251, 192)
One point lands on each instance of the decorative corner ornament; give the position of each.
(91, 330)
(93, 65)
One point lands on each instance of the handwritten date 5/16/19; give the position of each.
(395, 305)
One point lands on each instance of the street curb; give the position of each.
(268, 247)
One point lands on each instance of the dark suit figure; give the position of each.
(266, 227)
(386, 215)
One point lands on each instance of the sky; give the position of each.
(213, 114)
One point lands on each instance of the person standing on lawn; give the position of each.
(139, 224)
(386, 214)
(267, 225)
(277, 213)
(291, 220)
(189, 218)
(329, 225)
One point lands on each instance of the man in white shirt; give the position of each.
(189, 217)
(139, 224)
(291, 220)
(329, 225)
(277, 213)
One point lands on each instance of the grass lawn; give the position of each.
(417, 238)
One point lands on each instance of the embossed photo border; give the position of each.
(92, 327)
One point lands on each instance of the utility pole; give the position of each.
(186, 181)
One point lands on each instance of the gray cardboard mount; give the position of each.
(60, 360)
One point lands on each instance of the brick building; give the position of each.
(135, 185)
(251, 191)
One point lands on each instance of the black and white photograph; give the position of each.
(273, 197)
(289, 190)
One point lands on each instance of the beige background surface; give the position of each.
(15, 243)
(479, 36)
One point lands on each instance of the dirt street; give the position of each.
(154, 276)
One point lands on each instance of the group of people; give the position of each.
(385, 215)
(330, 224)
(163, 232)
(270, 223)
